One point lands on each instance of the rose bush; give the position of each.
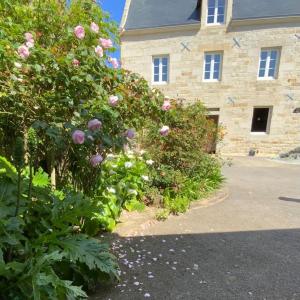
(68, 108)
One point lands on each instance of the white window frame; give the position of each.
(212, 66)
(216, 13)
(267, 69)
(161, 81)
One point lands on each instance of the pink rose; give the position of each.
(23, 51)
(28, 36)
(106, 43)
(114, 63)
(166, 106)
(96, 160)
(76, 62)
(94, 27)
(130, 133)
(113, 100)
(164, 131)
(94, 124)
(78, 137)
(99, 51)
(79, 32)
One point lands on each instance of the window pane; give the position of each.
(156, 78)
(274, 54)
(207, 67)
(263, 55)
(216, 67)
(262, 73)
(156, 61)
(271, 73)
(263, 64)
(156, 70)
(216, 75)
(211, 3)
(165, 61)
(211, 11)
(220, 19)
(217, 58)
(165, 69)
(165, 77)
(221, 10)
(207, 75)
(272, 64)
(210, 19)
(221, 3)
(208, 58)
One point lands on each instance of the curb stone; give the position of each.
(135, 223)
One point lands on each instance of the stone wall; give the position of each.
(238, 81)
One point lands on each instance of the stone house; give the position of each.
(241, 58)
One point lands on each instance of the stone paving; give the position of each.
(246, 247)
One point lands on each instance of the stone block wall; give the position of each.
(238, 82)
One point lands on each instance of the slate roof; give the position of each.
(159, 13)
(255, 9)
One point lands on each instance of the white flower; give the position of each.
(132, 192)
(147, 295)
(18, 65)
(111, 172)
(110, 156)
(145, 177)
(128, 164)
(114, 166)
(142, 152)
(149, 162)
(30, 44)
(111, 190)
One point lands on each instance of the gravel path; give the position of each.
(247, 247)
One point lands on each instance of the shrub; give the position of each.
(183, 170)
(59, 87)
(43, 254)
(122, 182)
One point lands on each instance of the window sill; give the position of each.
(211, 80)
(266, 79)
(159, 83)
(259, 133)
(215, 24)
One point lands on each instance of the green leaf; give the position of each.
(90, 252)
(41, 178)
(38, 68)
(7, 168)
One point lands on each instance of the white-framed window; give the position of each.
(268, 63)
(212, 66)
(216, 12)
(160, 69)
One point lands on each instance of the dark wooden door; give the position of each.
(212, 147)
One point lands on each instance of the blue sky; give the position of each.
(115, 8)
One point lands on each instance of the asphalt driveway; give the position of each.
(247, 247)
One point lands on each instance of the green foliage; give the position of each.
(121, 185)
(45, 92)
(43, 255)
(162, 215)
(177, 204)
(134, 205)
(183, 170)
